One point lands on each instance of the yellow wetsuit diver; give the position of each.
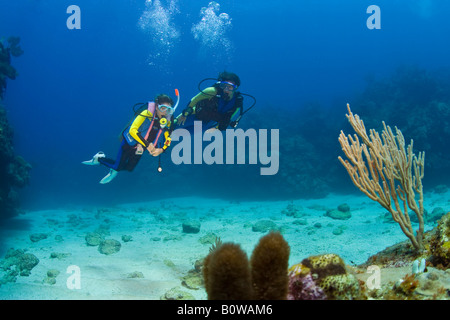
(149, 130)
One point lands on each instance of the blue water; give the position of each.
(75, 88)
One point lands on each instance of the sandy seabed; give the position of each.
(161, 253)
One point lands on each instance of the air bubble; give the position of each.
(211, 31)
(156, 21)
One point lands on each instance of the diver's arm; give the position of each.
(157, 151)
(167, 141)
(134, 129)
(208, 93)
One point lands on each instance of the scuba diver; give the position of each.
(215, 106)
(147, 131)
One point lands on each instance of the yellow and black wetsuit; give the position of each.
(140, 127)
(210, 105)
(144, 130)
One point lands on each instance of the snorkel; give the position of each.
(177, 93)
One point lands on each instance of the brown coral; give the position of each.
(228, 275)
(269, 263)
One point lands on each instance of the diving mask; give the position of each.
(225, 85)
(165, 108)
(168, 109)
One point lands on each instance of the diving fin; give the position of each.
(94, 161)
(109, 177)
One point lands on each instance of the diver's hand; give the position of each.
(156, 152)
(211, 130)
(139, 149)
(180, 120)
(151, 148)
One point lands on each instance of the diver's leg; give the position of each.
(120, 158)
(113, 167)
(132, 162)
(118, 164)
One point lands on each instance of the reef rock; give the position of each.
(292, 211)
(264, 226)
(177, 294)
(191, 226)
(35, 237)
(433, 283)
(339, 214)
(323, 277)
(19, 262)
(135, 275)
(440, 243)
(109, 246)
(51, 276)
(14, 170)
(94, 239)
(193, 280)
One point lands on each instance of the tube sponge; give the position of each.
(269, 265)
(227, 274)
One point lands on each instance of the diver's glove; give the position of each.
(187, 112)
